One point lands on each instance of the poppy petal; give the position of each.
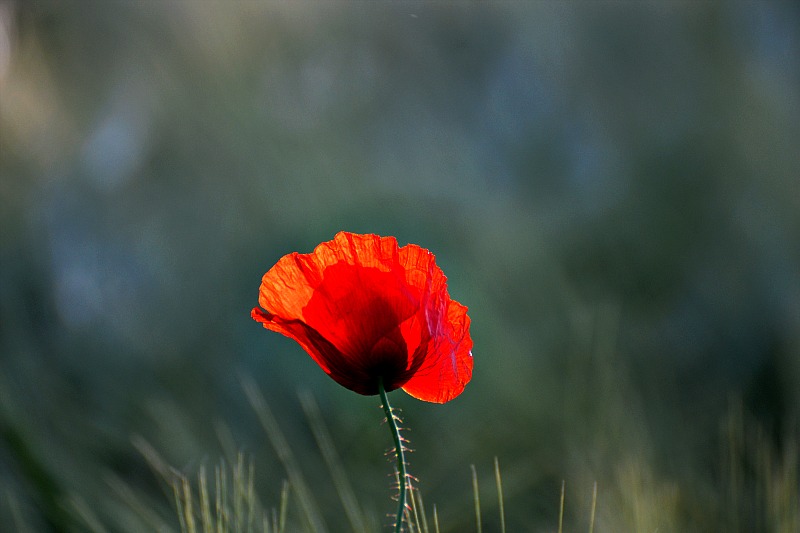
(448, 362)
(327, 356)
(367, 311)
(354, 307)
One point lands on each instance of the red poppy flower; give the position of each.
(367, 310)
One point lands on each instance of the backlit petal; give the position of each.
(447, 367)
(367, 310)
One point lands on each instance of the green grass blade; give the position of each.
(561, 508)
(285, 455)
(325, 444)
(422, 513)
(281, 525)
(499, 482)
(477, 498)
(205, 505)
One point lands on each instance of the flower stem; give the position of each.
(401, 460)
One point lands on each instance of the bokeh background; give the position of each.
(611, 188)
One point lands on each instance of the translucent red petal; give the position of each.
(365, 310)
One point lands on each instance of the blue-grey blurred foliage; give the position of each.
(612, 189)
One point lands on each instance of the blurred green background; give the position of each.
(612, 189)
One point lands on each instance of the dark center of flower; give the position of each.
(388, 360)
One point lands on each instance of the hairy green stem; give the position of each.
(401, 460)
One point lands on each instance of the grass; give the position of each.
(227, 502)
(761, 489)
(761, 481)
(233, 506)
(759, 484)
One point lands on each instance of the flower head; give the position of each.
(368, 311)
